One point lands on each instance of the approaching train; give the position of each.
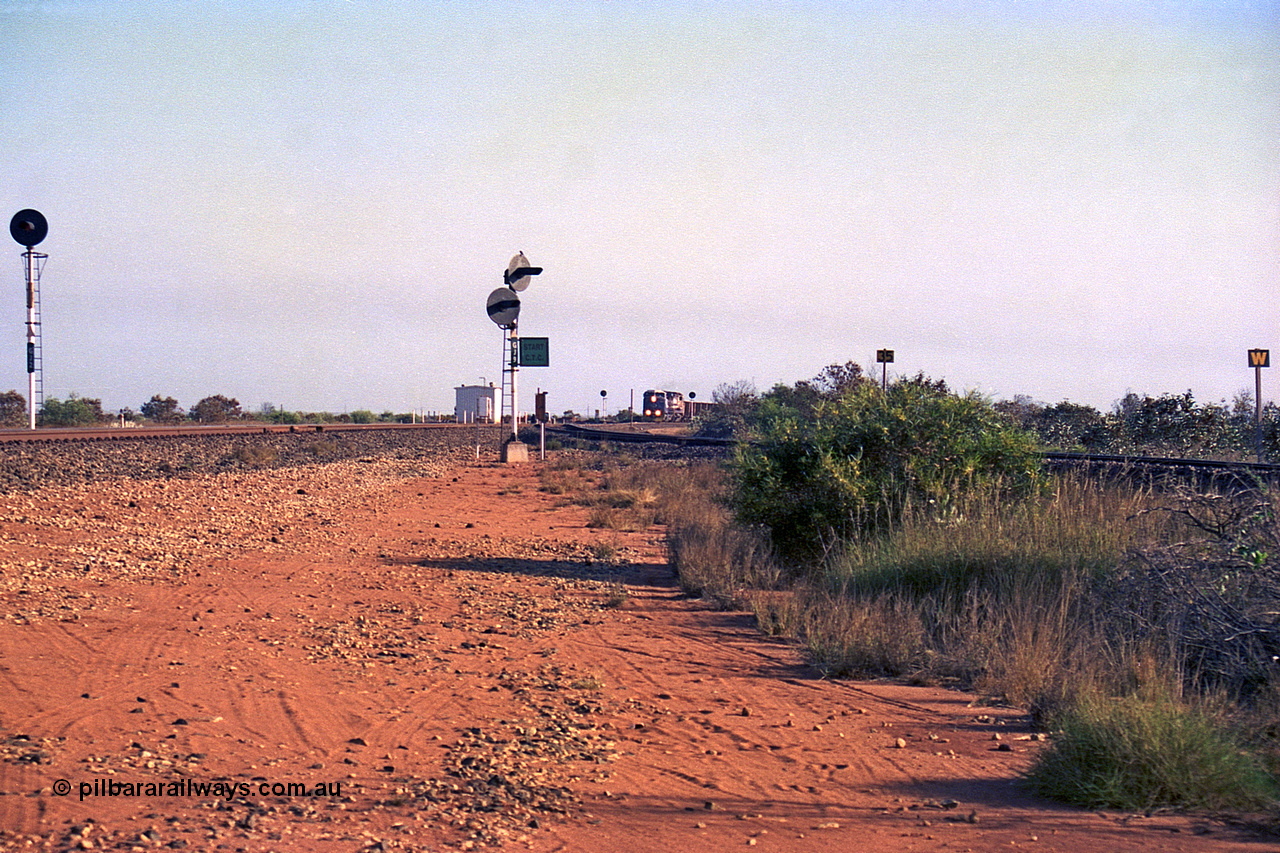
(671, 406)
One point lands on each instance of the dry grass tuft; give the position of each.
(591, 681)
(257, 455)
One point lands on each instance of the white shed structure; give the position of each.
(475, 403)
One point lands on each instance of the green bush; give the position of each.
(853, 464)
(283, 416)
(73, 412)
(1141, 753)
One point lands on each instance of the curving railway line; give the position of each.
(1149, 469)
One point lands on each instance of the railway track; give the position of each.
(1202, 473)
(26, 436)
(1143, 468)
(629, 437)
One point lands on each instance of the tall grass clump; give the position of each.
(1140, 753)
(1005, 589)
(994, 543)
(862, 638)
(997, 596)
(720, 561)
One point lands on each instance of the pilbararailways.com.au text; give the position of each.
(224, 789)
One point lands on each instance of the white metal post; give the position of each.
(1257, 414)
(30, 257)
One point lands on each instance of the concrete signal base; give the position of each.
(515, 451)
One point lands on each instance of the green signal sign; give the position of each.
(534, 352)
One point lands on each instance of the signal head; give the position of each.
(28, 227)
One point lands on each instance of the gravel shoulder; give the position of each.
(448, 658)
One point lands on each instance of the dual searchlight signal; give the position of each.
(504, 304)
(503, 308)
(28, 228)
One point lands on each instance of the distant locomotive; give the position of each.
(663, 406)
(671, 406)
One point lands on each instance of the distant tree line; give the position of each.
(77, 411)
(1167, 425)
(1164, 425)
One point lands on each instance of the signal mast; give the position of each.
(503, 308)
(28, 228)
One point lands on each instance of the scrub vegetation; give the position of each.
(909, 532)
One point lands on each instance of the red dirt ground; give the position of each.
(473, 666)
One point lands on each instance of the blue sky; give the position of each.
(308, 203)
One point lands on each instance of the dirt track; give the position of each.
(461, 663)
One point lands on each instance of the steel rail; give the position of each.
(1204, 468)
(61, 434)
(600, 434)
